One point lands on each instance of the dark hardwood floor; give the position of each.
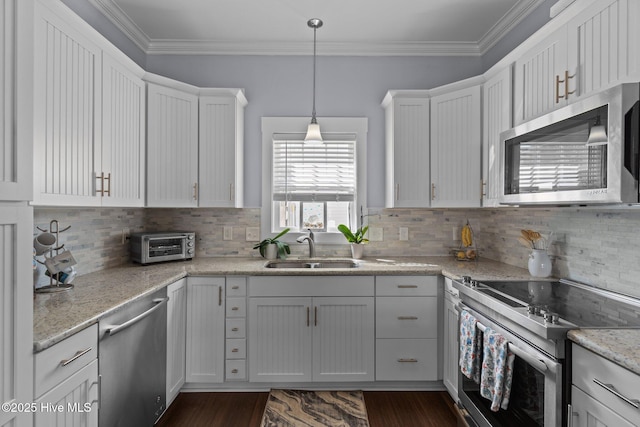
(385, 409)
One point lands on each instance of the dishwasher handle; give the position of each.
(114, 329)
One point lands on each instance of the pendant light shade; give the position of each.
(597, 134)
(313, 131)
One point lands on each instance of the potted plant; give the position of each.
(272, 248)
(356, 239)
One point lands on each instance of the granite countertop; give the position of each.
(621, 346)
(59, 315)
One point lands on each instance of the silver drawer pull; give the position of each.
(234, 371)
(412, 360)
(407, 286)
(235, 350)
(235, 308)
(235, 287)
(611, 389)
(407, 318)
(234, 329)
(76, 356)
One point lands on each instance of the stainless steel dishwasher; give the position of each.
(132, 362)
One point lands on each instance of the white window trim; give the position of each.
(274, 125)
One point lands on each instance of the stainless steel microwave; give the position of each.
(148, 248)
(584, 153)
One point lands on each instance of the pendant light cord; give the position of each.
(313, 111)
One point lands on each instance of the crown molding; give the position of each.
(508, 22)
(122, 21)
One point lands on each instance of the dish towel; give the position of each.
(470, 349)
(497, 370)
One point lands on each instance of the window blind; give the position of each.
(314, 172)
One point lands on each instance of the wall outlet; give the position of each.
(404, 233)
(252, 234)
(227, 233)
(125, 235)
(375, 234)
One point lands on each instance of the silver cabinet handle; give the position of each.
(611, 389)
(76, 356)
(234, 329)
(407, 286)
(235, 350)
(397, 191)
(235, 308)
(112, 330)
(411, 360)
(234, 371)
(407, 318)
(235, 287)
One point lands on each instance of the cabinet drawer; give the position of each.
(236, 349)
(236, 328)
(55, 364)
(406, 360)
(589, 369)
(236, 286)
(236, 307)
(236, 370)
(406, 285)
(406, 317)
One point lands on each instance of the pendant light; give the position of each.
(597, 134)
(313, 131)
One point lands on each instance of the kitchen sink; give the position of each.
(320, 263)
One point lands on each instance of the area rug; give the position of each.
(297, 408)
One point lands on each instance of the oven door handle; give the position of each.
(538, 364)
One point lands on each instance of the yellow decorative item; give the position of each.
(467, 250)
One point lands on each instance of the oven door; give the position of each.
(536, 394)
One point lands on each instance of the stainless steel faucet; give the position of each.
(312, 243)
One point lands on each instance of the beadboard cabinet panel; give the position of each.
(496, 118)
(68, 100)
(176, 338)
(221, 130)
(455, 149)
(172, 147)
(16, 106)
(123, 134)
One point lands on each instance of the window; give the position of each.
(313, 186)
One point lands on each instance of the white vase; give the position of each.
(271, 251)
(357, 250)
(539, 263)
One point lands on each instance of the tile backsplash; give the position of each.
(594, 246)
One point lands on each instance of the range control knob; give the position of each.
(474, 284)
(551, 318)
(466, 279)
(534, 309)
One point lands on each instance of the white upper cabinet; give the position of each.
(604, 45)
(455, 148)
(122, 172)
(542, 79)
(496, 118)
(407, 148)
(172, 147)
(89, 118)
(221, 139)
(16, 86)
(67, 102)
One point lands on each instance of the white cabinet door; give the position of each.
(176, 337)
(172, 147)
(343, 339)
(496, 118)
(604, 45)
(74, 402)
(16, 311)
(16, 105)
(123, 134)
(221, 130)
(67, 97)
(455, 149)
(450, 347)
(407, 152)
(205, 330)
(280, 339)
(588, 412)
(539, 78)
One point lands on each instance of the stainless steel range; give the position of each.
(535, 317)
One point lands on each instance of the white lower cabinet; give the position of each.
(407, 328)
(450, 340)
(311, 328)
(66, 382)
(205, 329)
(603, 394)
(176, 337)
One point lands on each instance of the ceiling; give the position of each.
(351, 27)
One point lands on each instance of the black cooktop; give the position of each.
(579, 304)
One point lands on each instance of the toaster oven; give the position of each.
(148, 248)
